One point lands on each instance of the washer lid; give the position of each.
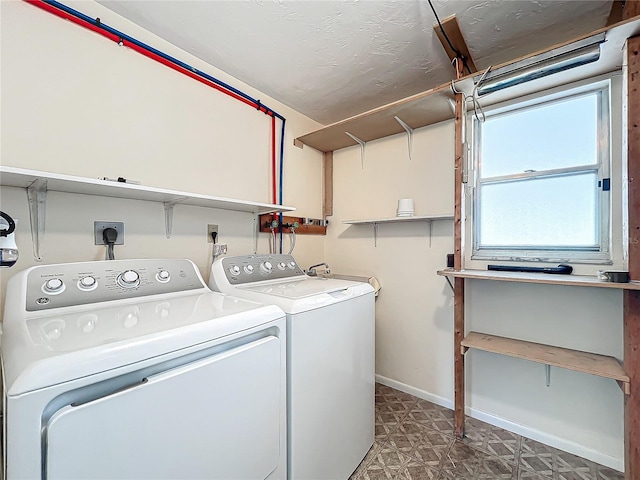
(302, 294)
(51, 349)
(301, 288)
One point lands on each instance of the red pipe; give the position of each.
(273, 156)
(177, 68)
(146, 53)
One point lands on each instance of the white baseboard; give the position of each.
(525, 431)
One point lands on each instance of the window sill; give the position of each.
(545, 278)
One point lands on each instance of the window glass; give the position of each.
(556, 212)
(539, 175)
(549, 136)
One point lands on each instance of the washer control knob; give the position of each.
(291, 265)
(282, 265)
(248, 269)
(88, 283)
(129, 279)
(234, 270)
(266, 267)
(53, 285)
(163, 276)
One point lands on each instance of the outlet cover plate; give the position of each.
(98, 227)
(210, 229)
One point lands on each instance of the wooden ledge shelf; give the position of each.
(523, 277)
(592, 363)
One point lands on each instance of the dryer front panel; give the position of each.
(218, 417)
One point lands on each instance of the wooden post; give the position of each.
(327, 184)
(458, 301)
(631, 330)
(631, 9)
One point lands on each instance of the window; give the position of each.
(542, 179)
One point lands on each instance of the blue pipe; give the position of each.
(126, 37)
(281, 171)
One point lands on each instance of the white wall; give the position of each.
(75, 102)
(579, 413)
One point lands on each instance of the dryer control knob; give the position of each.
(53, 285)
(234, 270)
(266, 267)
(282, 266)
(248, 269)
(163, 276)
(129, 279)
(291, 265)
(88, 283)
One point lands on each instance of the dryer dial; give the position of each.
(128, 279)
(53, 286)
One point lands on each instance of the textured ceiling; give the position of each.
(333, 59)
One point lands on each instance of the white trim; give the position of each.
(529, 432)
(416, 392)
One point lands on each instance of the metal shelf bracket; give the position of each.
(168, 218)
(547, 371)
(362, 145)
(375, 234)
(37, 197)
(409, 131)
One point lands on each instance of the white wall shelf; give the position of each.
(376, 221)
(38, 183)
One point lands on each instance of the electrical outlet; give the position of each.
(219, 249)
(98, 228)
(211, 228)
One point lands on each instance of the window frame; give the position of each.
(599, 253)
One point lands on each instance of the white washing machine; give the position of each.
(134, 369)
(330, 359)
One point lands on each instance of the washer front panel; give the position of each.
(54, 286)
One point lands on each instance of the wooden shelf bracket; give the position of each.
(362, 145)
(409, 131)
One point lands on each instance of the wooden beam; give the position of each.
(452, 29)
(631, 310)
(327, 184)
(458, 300)
(615, 14)
(631, 9)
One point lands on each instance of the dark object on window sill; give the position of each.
(559, 270)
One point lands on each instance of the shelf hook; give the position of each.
(37, 197)
(409, 131)
(362, 145)
(168, 217)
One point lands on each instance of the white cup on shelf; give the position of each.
(405, 207)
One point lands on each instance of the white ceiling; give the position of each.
(333, 59)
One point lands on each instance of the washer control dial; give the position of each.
(53, 286)
(282, 265)
(266, 267)
(128, 279)
(88, 283)
(234, 270)
(291, 265)
(248, 269)
(163, 276)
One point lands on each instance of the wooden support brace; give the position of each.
(631, 9)
(452, 29)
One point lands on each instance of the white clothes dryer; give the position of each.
(135, 369)
(330, 359)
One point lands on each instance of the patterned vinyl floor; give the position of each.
(414, 441)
